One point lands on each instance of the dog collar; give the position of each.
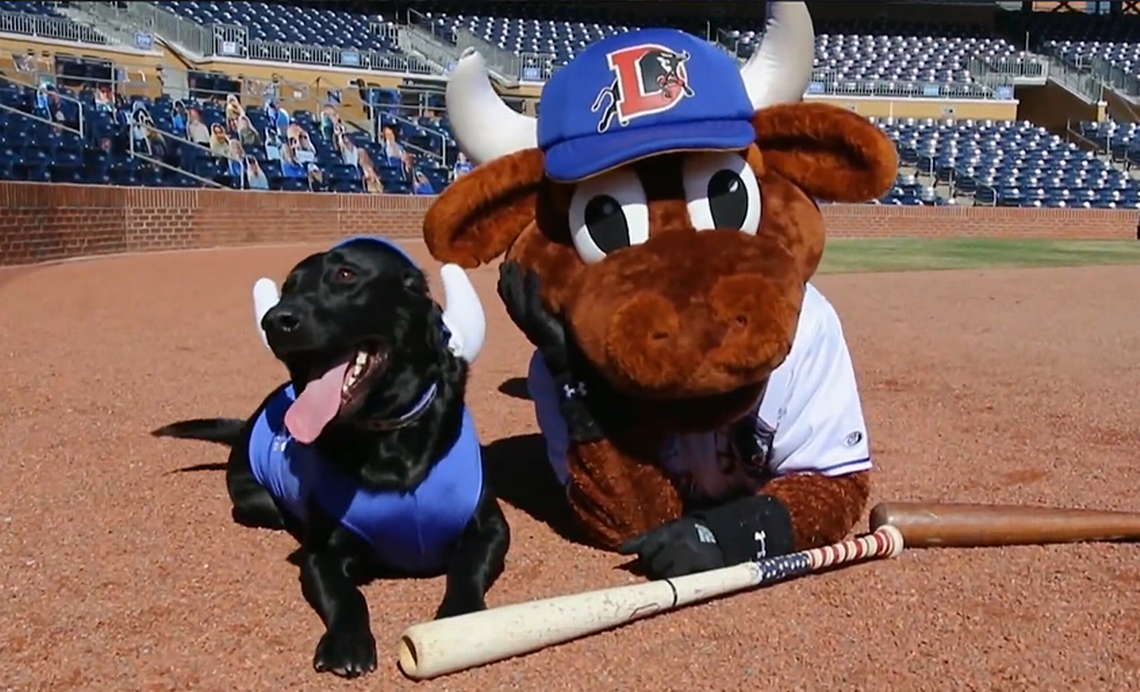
(407, 418)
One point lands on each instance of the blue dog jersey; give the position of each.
(413, 531)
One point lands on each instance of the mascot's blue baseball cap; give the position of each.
(638, 94)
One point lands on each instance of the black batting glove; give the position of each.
(741, 530)
(521, 293)
(682, 546)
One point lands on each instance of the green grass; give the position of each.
(916, 254)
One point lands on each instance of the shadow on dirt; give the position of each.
(515, 387)
(209, 466)
(517, 469)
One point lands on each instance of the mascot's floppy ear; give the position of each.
(478, 216)
(464, 321)
(830, 153)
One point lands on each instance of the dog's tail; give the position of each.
(225, 431)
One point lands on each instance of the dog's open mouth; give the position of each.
(335, 390)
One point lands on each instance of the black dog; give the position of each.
(369, 457)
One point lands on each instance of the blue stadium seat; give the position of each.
(1015, 164)
(294, 24)
(33, 8)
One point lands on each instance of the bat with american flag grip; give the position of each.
(431, 649)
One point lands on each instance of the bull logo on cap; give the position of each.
(648, 79)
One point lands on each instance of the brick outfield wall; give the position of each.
(40, 223)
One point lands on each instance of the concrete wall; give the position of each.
(41, 222)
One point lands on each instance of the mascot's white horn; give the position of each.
(265, 296)
(463, 315)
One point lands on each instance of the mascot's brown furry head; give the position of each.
(667, 199)
(677, 313)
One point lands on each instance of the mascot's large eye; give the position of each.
(722, 192)
(607, 213)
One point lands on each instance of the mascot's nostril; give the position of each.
(760, 322)
(643, 346)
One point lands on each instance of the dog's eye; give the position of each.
(344, 275)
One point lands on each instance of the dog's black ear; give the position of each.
(438, 336)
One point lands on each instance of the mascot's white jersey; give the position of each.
(810, 419)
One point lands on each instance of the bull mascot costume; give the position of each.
(659, 228)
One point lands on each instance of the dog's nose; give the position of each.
(281, 320)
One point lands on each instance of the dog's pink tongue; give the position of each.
(317, 405)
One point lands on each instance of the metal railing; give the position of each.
(233, 41)
(133, 153)
(825, 84)
(40, 119)
(166, 136)
(498, 60)
(81, 122)
(440, 157)
(54, 28)
(149, 17)
(1116, 77)
(1009, 70)
(435, 51)
(444, 46)
(1078, 78)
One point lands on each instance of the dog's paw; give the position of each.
(459, 605)
(346, 651)
(259, 513)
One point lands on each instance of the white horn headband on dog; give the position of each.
(463, 316)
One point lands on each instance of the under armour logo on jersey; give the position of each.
(574, 391)
(280, 442)
(761, 539)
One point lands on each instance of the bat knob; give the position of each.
(881, 515)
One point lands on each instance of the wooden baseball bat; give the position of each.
(439, 647)
(951, 525)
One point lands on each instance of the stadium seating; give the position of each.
(864, 51)
(994, 163)
(908, 191)
(1011, 164)
(1120, 141)
(268, 21)
(43, 8)
(848, 52)
(34, 150)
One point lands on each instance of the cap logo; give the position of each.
(648, 78)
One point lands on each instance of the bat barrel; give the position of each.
(954, 525)
(440, 647)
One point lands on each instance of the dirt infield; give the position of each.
(51, 222)
(121, 569)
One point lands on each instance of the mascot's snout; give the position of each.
(689, 314)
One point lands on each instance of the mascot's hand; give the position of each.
(521, 294)
(741, 530)
(682, 546)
